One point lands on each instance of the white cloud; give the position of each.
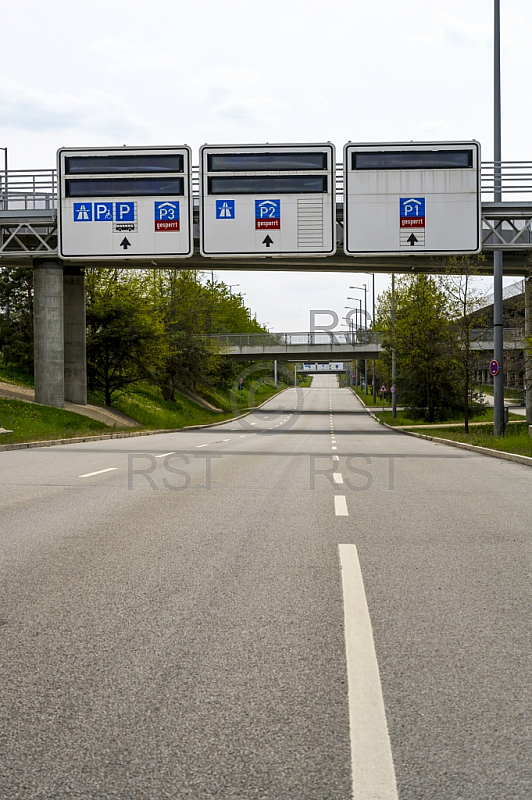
(92, 112)
(121, 57)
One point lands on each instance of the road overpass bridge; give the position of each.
(331, 345)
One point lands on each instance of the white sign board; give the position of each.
(127, 203)
(267, 200)
(412, 198)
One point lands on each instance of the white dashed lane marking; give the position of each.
(340, 506)
(99, 472)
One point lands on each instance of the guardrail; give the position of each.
(37, 189)
(28, 190)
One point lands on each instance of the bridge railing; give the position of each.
(240, 341)
(37, 189)
(486, 334)
(28, 190)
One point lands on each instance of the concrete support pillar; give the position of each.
(528, 352)
(48, 333)
(75, 337)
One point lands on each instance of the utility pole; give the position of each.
(394, 393)
(528, 356)
(373, 323)
(498, 308)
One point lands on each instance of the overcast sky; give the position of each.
(114, 72)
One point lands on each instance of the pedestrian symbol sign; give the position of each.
(225, 209)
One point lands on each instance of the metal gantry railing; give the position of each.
(37, 189)
(28, 190)
(28, 201)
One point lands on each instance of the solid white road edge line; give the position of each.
(99, 472)
(371, 755)
(340, 506)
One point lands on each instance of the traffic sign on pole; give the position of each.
(416, 197)
(494, 367)
(267, 200)
(125, 203)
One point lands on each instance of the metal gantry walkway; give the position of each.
(28, 229)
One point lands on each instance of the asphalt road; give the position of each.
(190, 635)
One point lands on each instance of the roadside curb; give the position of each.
(129, 434)
(486, 451)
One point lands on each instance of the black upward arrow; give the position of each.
(267, 241)
(411, 240)
(125, 243)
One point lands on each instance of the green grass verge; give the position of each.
(403, 418)
(34, 423)
(516, 440)
(367, 399)
(15, 375)
(31, 422)
(146, 405)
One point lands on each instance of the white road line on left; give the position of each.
(99, 472)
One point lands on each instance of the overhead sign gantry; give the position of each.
(267, 200)
(416, 197)
(127, 203)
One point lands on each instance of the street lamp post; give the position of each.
(364, 289)
(394, 393)
(5, 187)
(498, 308)
(356, 299)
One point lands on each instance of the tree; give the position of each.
(125, 334)
(464, 300)
(16, 317)
(426, 371)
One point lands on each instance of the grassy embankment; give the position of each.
(31, 422)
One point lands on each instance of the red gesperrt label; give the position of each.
(167, 225)
(260, 224)
(412, 222)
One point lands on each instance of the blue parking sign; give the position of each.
(103, 212)
(125, 211)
